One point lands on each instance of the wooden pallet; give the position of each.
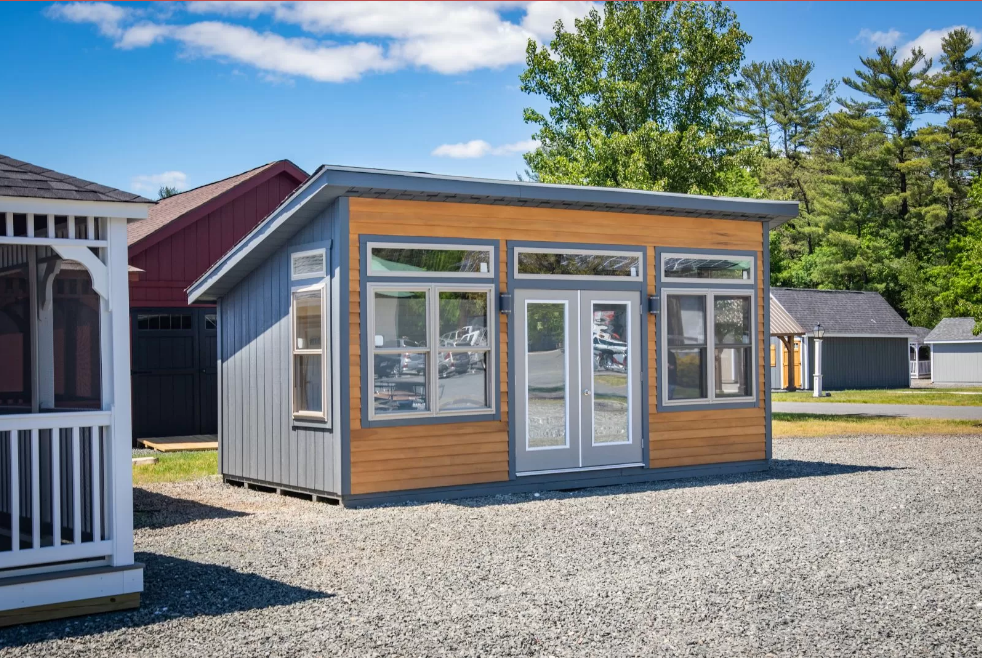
(182, 443)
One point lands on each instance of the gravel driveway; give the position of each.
(859, 546)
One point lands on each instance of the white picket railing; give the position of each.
(55, 479)
(920, 369)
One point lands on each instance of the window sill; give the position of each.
(403, 421)
(310, 423)
(706, 405)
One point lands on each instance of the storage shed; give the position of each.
(956, 353)
(174, 380)
(387, 335)
(866, 340)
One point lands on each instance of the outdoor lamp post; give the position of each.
(818, 333)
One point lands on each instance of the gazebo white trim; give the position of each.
(87, 524)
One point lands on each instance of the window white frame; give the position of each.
(325, 353)
(703, 282)
(434, 246)
(710, 295)
(322, 252)
(638, 274)
(432, 349)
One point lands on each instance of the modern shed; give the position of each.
(388, 335)
(956, 353)
(866, 340)
(174, 380)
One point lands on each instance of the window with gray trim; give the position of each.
(430, 350)
(718, 268)
(576, 264)
(707, 346)
(410, 259)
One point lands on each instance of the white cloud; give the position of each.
(930, 41)
(153, 182)
(107, 17)
(879, 38)
(447, 38)
(478, 148)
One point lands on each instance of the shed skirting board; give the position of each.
(68, 586)
(557, 482)
(265, 484)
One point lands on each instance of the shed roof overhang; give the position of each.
(331, 182)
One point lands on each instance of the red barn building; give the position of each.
(174, 344)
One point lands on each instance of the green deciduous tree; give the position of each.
(639, 97)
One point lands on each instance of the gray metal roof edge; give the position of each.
(203, 284)
(423, 182)
(331, 181)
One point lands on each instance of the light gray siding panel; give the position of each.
(849, 363)
(778, 366)
(259, 441)
(957, 363)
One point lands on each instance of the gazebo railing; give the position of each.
(55, 484)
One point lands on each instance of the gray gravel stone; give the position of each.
(865, 546)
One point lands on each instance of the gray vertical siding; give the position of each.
(259, 440)
(778, 368)
(861, 363)
(957, 363)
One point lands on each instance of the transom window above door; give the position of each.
(577, 264)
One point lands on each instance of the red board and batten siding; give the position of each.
(173, 257)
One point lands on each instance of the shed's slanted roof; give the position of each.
(782, 324)
(953, 329)
(178, 205)
(22, 179)
(331, 182)
(843, 312)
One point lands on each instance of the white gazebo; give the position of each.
(66, 499)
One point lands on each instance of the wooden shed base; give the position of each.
(69, 609)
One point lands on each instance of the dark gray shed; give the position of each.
(956, 353)
(866, 341)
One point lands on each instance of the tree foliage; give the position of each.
(639, 97)
(889, 180)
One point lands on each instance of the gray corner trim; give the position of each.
(512, 423)
(344, 270)
(220, 348)
(365, 280)
(558, 481)
(560, 283)
(703, 284)
(765, 275)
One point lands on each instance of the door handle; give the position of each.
(586, 391)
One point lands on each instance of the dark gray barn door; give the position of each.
(174, 372)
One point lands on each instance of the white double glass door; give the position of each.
(578, 380)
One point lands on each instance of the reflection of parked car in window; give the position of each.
(609, 354)
(397, 365)
(453, 363)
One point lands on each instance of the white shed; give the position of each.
(66, 500)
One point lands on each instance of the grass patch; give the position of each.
(177, 467)
(785, 425)
(953, 397)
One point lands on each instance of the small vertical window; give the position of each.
(309, 363)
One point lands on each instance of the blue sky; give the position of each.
(133, 95)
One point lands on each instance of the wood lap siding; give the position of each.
(421, 456)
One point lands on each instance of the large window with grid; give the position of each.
(430, 350)
(707, 329)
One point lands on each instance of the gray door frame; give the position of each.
(579, 451)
